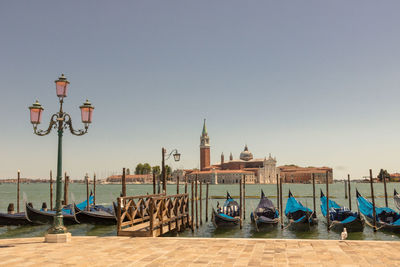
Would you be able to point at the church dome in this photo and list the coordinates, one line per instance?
(246, 154)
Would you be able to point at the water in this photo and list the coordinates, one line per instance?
(105, 194)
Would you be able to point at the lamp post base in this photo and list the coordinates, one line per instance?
(58, 226)
(57, 238)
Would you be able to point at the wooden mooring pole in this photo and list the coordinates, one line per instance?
(51, 190)
(207, 202)
(244, 197)
(201, 203)
(177, 184)
(123, 183)
(192, 206)
(158, 185)
(280, 200)
(196, 199)
(384, 187)
(345, 189)
(94, 189)
(241, 202)
(154, 183)
(87, 192)
(349, 188)
(277, 192)
(66, 181)
(373, 198)
(18, 181)
(327, 200)
(313, 192)
(185, 184)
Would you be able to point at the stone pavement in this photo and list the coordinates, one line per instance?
(168, 251)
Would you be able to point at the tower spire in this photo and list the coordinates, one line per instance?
(204, 133)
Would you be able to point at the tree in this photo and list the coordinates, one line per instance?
(128, 171)
(168, 170)
(143, 168)
(156, 170)
(139, 168)
(146, 168)
(383, 173)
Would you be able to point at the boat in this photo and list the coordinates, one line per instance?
(386, 218)
(396, 199)
(265, 213)
(96, 215)
(14, 219)
(228, 214)
(299, 216)
(341, 217)
(46, 217)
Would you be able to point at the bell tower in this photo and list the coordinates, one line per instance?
(204, 148)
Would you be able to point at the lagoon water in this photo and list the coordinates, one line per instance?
(105, 194)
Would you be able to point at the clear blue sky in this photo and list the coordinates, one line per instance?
(312, 82)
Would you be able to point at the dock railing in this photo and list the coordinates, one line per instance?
(152, 215)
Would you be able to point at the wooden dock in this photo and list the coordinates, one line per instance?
(152, 215)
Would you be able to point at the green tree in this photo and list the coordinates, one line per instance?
(139, 168)
(168, 170)
(156, 170)
(383, 173)
(143, 168)
(146, 168)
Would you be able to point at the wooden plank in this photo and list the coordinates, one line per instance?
(137, 227)
(143, 196)
(134, 234)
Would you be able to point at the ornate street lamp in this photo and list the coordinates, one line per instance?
(60, 121)
(177, 157)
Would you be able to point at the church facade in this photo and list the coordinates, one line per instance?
(253, 170)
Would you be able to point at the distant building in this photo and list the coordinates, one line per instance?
(136, 178)
(296, 174)
(261, 170)
(395, 177)
(222, 176)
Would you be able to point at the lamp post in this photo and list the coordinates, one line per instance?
(60, 121)
(177, 157)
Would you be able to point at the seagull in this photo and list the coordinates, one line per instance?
(343, 235)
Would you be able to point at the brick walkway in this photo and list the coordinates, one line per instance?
(123, 251)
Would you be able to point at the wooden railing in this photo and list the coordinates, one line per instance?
(152, 215)
(171, 211)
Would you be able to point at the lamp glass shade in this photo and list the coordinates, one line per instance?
(87, 112)
(62, 86)
(177, 156)
(36, 111)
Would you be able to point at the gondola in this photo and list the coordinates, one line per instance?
(265, 214)
(96, 215)
(386, 218)
(341, 217)
(396, 199)
(14, 219)
(46, 217)
(227, 215)
(300, 217)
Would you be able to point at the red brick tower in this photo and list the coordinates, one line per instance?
(204, 149)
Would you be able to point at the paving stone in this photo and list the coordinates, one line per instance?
(171, 251)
